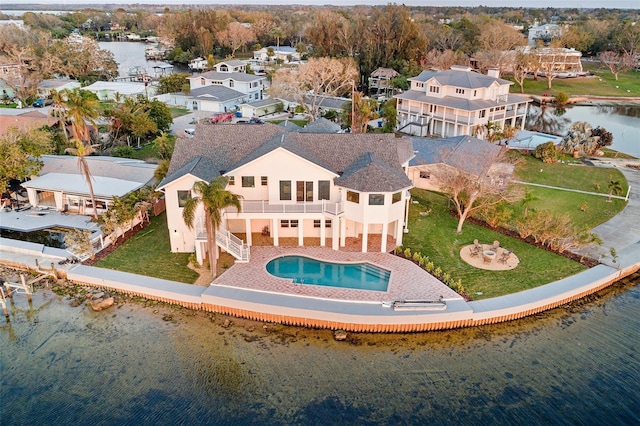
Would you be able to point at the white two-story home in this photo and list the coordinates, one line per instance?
(457, 102)
(232, 74)
(310, 188)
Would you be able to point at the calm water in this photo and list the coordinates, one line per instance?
(131, 54)
(65, 365)
(622, 121)
(304, 270)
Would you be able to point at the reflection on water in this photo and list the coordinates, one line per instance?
(125, 365)
(623, 121)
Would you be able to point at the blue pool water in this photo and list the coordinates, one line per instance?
(304, 270)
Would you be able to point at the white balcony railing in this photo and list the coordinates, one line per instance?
(261, 206)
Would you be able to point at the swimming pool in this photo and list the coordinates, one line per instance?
(304, 270)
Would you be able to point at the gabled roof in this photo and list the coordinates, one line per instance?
(289, 126)
(112, 167)
(385, 73)
(460, 77)
(237, 76)
(463, 152)
(321, 125)
(199, 167)
(216, 92)
(232, 63)
(229, 146)
(460, 103)
(370, 174)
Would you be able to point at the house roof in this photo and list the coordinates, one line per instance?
(232, 63)
(24, 120)
(463, 152)
(321, 125)
(215, 92)
(459, 77)
(229, 147)
(237, 76)
(289, 126)
(103, 187)
(385, 73)
(122, 87)
(263, 103)
(112, 167)
(459, 103)
(55, 83)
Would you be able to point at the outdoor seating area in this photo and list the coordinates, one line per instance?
(489, 256)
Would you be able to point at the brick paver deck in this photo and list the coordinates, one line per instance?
(407, 280)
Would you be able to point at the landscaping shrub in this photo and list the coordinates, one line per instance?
(547, 152)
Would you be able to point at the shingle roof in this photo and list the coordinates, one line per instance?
(459, 78)
(321, 125)
(289, 126)
(111, 167)
(229, 146)
(216, 92)
(459, 103)
(467, 153)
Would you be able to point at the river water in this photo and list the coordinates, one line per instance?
(130, 55)
(70, 365)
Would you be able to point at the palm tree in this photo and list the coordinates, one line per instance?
(83, 150)
(615, 188)
(81, 106)
(214, 198)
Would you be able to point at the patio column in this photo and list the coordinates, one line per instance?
(323, 233)
(335, 233)
(247, 227)
(365, 236)
(32, 194)
(343, 232)
(301, 233)
(57, 196)
(399, 233)
(274, 231)
(383, 243)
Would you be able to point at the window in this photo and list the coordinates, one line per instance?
(232, 180)
(285, 190)
(354, 197)
(460, 91)
(202, 81)
(248, 182)
(425, 175)
(434, 89)
(264, 180)
(396, 197)
(376, 199)
(289, 223)
(419, 85)
(230, 83)
(483, 113)
(317, 223)
(183, 197)
(433, 109)
(475, 93)
(304, 191)
(323, 190)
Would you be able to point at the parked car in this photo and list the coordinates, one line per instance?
(42, 102)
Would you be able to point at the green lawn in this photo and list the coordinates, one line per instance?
(603, 83)
(435, 236)
(178, 112)
(148, 253)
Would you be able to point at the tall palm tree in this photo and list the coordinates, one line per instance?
(81, 106)
(83, 150)
(214, 198)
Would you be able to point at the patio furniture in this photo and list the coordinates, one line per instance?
(495, 246)
(505, 256)
(486, 259)
(477, 245)
(474, 252)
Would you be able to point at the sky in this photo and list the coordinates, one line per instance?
(621, 4)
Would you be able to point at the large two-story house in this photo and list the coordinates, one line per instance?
(457, 102)
(232, 74)
(311, 188)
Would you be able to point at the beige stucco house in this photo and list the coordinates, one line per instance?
(456, 101)
(296, 185)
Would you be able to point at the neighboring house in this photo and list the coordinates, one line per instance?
(47, 86)
(232, 74)
(260, 108)
(381, 81)
(314, 188)
(17, 22)
(321, 125)
(561, 61)
(457, 101)
(545, 33)
(434, 155)
(325, 104)
(284, 53)
(207, 98)
(61, 186)
(24, 119)
(111, 90)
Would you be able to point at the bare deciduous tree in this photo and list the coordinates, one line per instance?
(236, 36)
(314, 81)
(615, 62)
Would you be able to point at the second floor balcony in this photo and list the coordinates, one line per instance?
(264, 206)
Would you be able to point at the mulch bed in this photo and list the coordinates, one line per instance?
(586, 261)
(106, 251)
